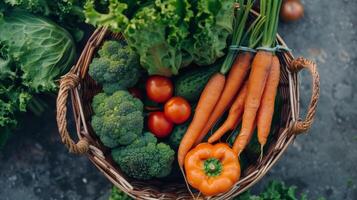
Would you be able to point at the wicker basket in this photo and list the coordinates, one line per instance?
(82, 88)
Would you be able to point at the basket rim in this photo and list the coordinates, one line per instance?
(98, 158)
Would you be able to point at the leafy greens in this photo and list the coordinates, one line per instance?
(68, 13)
(157, 32)
(33, 53)
(169, 34)
(40, 48)
(210, 28)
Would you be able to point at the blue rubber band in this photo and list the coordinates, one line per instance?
(241, 48)
(278, 48)
(247, 49)
(281, 48)
(269, 49)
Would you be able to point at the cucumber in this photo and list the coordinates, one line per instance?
(177, 134)
(190, 84)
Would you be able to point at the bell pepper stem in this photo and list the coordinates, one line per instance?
(212, 167)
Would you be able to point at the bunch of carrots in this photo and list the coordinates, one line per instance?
(245, 87)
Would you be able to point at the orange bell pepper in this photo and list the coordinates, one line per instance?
(212, 169)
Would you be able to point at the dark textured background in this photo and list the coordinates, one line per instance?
(36, 166)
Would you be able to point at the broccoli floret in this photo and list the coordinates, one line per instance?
(145, 158)
(118, 118)
(144, 140)
(116, 68)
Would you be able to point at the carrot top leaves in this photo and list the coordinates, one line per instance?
(240, 21)
(241, 16)
(254, 33)
(270, 9)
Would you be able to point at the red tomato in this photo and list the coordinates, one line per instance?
(159, 88)
(177, 109)
(136, 93)
(159, 125)
(291, 10)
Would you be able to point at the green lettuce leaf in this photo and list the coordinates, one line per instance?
(157, 31)
(212, 25)
(113, 19)
(169, 34)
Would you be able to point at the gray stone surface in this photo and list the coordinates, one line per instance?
(323, 163)
(35, 165)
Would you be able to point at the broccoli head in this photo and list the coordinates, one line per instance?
(118, 118)
(145, 158)
(116, 68)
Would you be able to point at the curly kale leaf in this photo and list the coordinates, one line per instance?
(7, 68)
(274, 191)
(12, 101)
(48, 7)
(13, 96)
(118, 118)
(35, 6)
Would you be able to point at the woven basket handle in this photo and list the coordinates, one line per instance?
(67, 83)
(296, 65)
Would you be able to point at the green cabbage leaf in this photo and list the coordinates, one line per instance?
(40, 48)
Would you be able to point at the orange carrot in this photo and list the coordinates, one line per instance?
(253, 129)
(256, 83)
(266, 109)
(250, 135)
(261, 66)
(235, 113)
(205, 106)
(234, 82)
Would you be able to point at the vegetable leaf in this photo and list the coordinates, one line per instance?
(157, 31)
(117, 194)
(40, 48)
(212, 25)
(114, 18)
(274, 191)
(68, 13)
